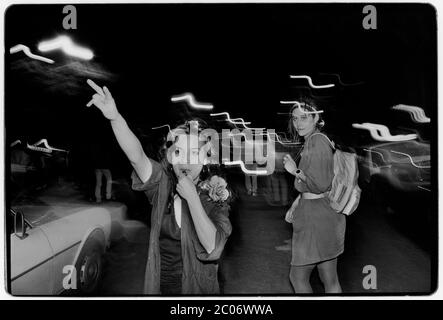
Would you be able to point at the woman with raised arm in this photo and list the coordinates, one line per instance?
(189, 219)
(318, 231)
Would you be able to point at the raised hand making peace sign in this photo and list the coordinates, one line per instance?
(103, 100)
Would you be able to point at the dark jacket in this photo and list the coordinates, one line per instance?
(199, 267)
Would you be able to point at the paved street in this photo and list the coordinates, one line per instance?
(252, 266)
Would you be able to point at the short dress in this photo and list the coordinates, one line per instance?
(318, 231)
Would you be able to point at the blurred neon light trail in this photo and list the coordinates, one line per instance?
(243, 168)
(417, 113)
(190, 99)
(67, 46)
(381, 133)
(27, 51)
(325, 86)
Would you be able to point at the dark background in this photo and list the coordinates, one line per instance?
(236, 56)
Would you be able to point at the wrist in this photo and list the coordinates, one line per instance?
(300, 175)
(193, 198)
(116, 118)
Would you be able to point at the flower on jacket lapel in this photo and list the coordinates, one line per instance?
(216, 188)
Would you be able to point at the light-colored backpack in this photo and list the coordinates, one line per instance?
(344, 195)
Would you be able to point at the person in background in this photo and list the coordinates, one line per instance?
(100, 157)
(251, 181)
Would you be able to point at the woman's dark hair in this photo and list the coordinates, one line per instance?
(307, 104)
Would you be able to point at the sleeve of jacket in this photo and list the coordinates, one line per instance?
(319, 171)
(219, 215)
(150, 187)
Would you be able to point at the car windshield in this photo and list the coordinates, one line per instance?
(40, 185)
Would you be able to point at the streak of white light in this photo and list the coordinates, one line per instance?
(243, 168)
(190, 99)
(382, 135)
(384, 132)
(310, 82)
(239, 121)
(233, 122)
(423, 188)
(15, 143)
(278, 138)
(410, 159)
(379, 153)
(163, 126)
(280, 141)
(46, 145)
(67, 46)
(27, 51)
(46, 150)
(300, 108)
(417, 113)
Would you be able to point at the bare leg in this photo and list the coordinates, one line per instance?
(254, 185)
(299, 276)
(327, 271)
(98, 185)
(248, 184)
(108, 176)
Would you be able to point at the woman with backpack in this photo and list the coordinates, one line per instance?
(318, 230)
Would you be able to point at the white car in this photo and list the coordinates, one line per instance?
(57, 242)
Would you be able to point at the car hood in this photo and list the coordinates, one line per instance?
(56, 203)
(38, 215)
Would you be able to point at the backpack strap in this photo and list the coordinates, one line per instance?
(330, 142)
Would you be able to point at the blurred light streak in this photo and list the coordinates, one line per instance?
(243, 168)
(423, 188)
(300, 108)
(47, 148)
(27, 51)
(417, 113)
(280, 141)
(163, 126)
(384, 132)
(310, 82)
(381, 132)
(67, 46)
(234, 122)
(190, 99)
(278, 138)
(239, 121)
(39, 149)
(410, 159)
(229, 118)
(376, 152)
(16, 142)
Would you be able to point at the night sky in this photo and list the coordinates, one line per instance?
(236, 56)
